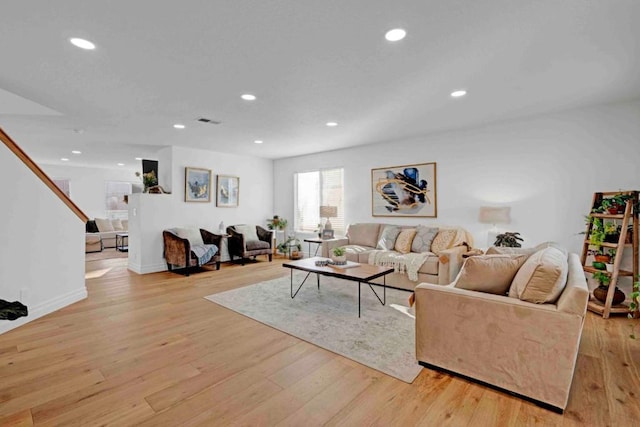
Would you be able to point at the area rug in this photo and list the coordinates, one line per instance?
(105, 254)
(383, 338)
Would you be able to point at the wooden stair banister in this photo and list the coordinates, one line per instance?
(14, 148)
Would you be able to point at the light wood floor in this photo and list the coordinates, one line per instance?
(149, 350)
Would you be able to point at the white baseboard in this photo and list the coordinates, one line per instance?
(146, 269)
(44, 308)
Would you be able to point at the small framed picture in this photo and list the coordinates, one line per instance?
(228, 191)
(327, 234)
(197, 185)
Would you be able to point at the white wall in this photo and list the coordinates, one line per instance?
(149, 214)
(42, 249)
(87, 185)
(546, 168)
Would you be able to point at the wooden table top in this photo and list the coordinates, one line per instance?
(364, 272)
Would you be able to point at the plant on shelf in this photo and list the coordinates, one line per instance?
(509, 240)
(600, 293)
(289, 244)
(633, 306)
(277, 223)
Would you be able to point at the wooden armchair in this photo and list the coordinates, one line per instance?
(244, 246)
(178, 251)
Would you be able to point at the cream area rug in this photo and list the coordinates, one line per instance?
(383, 338)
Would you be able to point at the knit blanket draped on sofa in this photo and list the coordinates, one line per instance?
(402, 263)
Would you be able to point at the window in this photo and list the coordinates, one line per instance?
(315, 189)
(114, 192)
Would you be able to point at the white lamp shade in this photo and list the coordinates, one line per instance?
(495, 215)
(328, 211)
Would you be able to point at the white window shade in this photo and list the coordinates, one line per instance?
(314, 189)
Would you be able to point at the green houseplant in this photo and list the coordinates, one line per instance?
(509, 240)
(633, 306)
(277, 223)
(600, 293)
(339, 254)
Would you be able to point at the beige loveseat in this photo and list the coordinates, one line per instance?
(526, 348)
(440, 265)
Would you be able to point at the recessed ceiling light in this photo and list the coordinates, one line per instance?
(120, 164)
(395, 35)
(179, 126)
(332, 124)
(64, 159)
(76, 152)
(248, 97)
(257, 141)
(458, 93)
(82, 43)
(138, 158)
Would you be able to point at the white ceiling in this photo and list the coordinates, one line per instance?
(163, 62)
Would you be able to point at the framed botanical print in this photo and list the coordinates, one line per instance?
(228, 191)
(197, 185)
(404, 191)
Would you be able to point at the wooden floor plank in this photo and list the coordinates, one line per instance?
(150, 350)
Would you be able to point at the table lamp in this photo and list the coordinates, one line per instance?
(328, 212)
(495, 216)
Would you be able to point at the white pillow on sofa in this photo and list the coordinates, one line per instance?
(117, 225)
(388, 238)
(104, 225)
(249, 232)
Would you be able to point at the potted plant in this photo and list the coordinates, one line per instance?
(339, 254)
(612, 257)
(509, 240)
(633, 306)
(611, 232)
(600, 293)
(277, 223)
(290, 246)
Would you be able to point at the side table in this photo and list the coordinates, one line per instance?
(316, 241)
(122, 242)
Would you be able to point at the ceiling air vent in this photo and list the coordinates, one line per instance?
(205, 120)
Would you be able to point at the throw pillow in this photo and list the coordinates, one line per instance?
(387, 239)
(91, 227)
(489, 273)
(552, 245)
(443, 240)
(191, 234)
(404, 240)
(542, 277)
(125, 224)
(249, 232)
(117, 225)
(104, 225)
(423, 239)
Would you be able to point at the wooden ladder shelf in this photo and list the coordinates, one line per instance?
(598, 218)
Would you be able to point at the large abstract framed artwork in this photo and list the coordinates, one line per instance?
(404, 191)
(228, 191)
(197, 185)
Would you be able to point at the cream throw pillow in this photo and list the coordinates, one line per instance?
(542, 277)
(104, 225)
(249, 232)
(404, 240)
(443, 240)
(489, 273)
(117, 225)
(191, 234)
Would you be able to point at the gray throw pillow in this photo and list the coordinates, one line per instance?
(424, 237)
(388, 237)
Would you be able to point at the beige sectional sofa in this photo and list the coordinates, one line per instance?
(525, 342)
(440, 266)
(101, 233)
